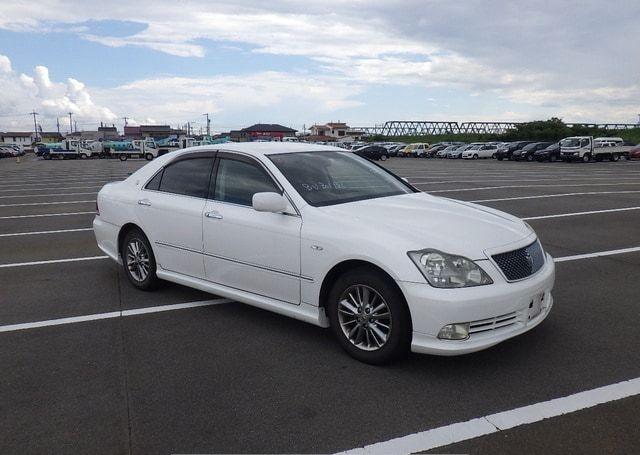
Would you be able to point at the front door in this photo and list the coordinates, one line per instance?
(253, 251)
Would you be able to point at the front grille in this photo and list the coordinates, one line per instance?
(519, 264)
(493, 323)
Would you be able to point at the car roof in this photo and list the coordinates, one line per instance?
(264, 148)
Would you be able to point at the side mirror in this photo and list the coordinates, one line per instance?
(269, 202)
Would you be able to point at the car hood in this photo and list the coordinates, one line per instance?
(419, 220)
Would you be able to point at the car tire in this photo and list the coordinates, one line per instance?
(614, 157)
(46, 157)
(586, 158)
(529, 158)
(149, 156)
(499, 158)
(138, 261)
(552, 158)
(475, 156)
(123, 157)
(383, 158)
(83, 156)
(362, 340)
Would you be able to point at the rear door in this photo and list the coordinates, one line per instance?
(170, 211)
(253, 251)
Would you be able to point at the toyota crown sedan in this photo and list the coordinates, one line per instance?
(328, 237)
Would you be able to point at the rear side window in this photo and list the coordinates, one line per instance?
(189, 177)
(237, 182)
(154, 183)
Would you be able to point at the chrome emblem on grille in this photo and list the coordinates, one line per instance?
(528, 257)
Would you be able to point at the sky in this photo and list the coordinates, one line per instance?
(299, 63)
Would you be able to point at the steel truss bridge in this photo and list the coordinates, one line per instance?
(426, 128)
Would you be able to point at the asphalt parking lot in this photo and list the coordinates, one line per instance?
(234, 379)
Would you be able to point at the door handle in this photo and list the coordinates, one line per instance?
(145, 202)
(215, 215)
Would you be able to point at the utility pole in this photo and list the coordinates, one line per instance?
(70, 123)
(58, 124)
(125, 120)
(75, 125)
(208, 124)
(35, 124)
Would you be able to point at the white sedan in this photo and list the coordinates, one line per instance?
(480, 151)
(327, 237)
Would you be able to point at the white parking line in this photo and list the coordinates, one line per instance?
(45, 195)
(543, 196)
(592, 212)
(45, 214)
(528, 186)
(463, 431)
(17, 234)
(46, 203)
(550, 179)
(597, 254)
(53, 188)
(52, 261)
(88, 182)
(110, 315)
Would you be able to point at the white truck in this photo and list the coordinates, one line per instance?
(67, 149)
(586, 148)
(137, 148)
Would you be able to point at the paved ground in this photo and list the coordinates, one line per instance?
(231, 378)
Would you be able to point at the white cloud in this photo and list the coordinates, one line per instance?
(544, 64)
(269, 95)
(51, 99)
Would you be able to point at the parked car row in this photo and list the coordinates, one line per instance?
(10, 151)
(582, 148)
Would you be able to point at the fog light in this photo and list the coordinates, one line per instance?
(454, 332)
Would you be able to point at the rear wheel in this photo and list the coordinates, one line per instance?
(83, 156)
(383, 158)
(529, 158)
(614, 157)
(138, 261)
(369, 317)
(123, 157)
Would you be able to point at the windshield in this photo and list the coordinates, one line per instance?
(328, 178)
(570, 142)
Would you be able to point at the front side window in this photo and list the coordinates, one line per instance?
(237, 181)
(328, 178)
(189, 177)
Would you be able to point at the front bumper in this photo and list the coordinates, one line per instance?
(433, 308)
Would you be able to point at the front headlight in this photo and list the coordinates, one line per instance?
(444, 270)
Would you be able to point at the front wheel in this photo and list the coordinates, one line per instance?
(383, 158)
(529, 158)
(614, 157)
(369, 317)
(123, 157)
(586, 158)
(475, 157)
(149, 156)
(138, 261)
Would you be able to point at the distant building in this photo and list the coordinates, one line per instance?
(17, 138)
(329, 131)
(154, 131)
(109, 132)
(50, 136)
(262, 131)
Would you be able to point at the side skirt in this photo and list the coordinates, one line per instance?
(303, 312)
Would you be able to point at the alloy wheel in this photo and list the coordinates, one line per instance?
(138, 260)
(364, 317)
